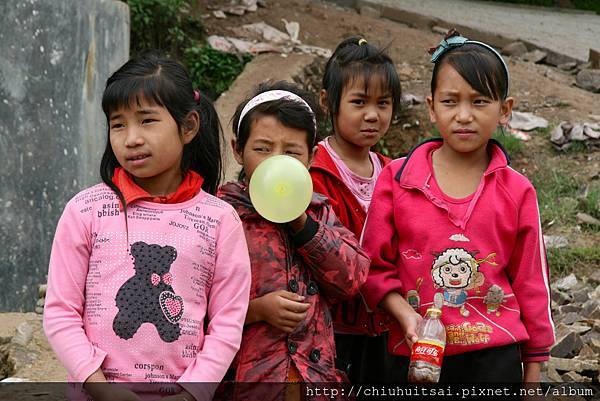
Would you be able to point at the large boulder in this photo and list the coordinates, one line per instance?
(56, 57)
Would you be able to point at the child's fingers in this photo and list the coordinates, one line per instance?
(293, 317)
(289, 325)
(290, 295)
(293, 306)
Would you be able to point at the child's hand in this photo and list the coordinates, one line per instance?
(409, 323)
(531, 372)
(282, 309)
(409, 320)
(298, 224)
(98, 388)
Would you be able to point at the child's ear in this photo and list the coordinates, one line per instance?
(323, 101)
(191, 126)
(237, 156)
(430, 108)
(506, 111)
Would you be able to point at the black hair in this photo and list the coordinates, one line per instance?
(290, 113)
(356, 59)
(167, 84)
(479, 66)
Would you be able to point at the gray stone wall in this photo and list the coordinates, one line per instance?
(55, 57)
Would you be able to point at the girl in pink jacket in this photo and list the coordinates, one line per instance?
(149, 274)
(452, 225)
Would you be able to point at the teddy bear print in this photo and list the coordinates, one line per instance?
(148, 295)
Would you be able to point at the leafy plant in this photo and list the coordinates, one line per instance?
(164, 25)
(213, 71)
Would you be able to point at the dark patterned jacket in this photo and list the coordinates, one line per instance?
(329, 266)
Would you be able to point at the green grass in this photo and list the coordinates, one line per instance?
(576, 147)
(512, 144)
(590, 204)
(563, 261)
(556, 196)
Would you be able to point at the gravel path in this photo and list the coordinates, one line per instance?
(571, 33)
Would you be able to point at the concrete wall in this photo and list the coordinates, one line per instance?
(55, 57)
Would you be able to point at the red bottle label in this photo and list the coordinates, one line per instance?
(428, 351)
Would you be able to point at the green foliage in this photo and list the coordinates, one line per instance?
(164, 25)
(213, 71)
(563, 261)
(512, 144)
(325, 127)
(169, 27)
(382, 148)
(556, 196)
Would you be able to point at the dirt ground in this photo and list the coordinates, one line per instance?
(543, 90)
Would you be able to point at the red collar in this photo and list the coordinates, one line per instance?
(189, 187)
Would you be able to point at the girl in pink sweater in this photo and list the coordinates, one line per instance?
(452, 225)
(149, 274)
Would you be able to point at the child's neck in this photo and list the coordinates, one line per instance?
(160, 187)
(356, 158)
(458, 174)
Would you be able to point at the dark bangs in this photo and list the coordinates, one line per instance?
(355, 60)
(152, 87)
(477, 65)
(372, 76)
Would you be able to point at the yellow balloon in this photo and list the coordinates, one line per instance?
(280, 189)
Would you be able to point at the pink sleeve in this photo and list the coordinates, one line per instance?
(528, 271)
(65, 297)
(227, 307)
(380, 240)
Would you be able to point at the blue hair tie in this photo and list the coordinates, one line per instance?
(453, 39)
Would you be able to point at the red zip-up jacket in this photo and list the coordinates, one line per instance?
(351, 316)
(488, 268)
(327, 267)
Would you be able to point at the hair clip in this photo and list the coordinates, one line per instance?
(451, 40)
(196, 95)
(362, 41)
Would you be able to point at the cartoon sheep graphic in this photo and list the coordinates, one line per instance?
(456, 271)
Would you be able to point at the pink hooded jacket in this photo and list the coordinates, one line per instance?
(488, 268)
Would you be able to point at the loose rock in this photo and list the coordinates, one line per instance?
(588, 80)
(536, 56)
(514, 49)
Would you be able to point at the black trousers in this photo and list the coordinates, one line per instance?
(366, 359)
(491, 365)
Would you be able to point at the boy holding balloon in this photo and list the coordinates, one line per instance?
(302, 257)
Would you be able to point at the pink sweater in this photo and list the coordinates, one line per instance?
(164, 301)
(488, 268)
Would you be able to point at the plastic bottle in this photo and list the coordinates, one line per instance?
(428, 351)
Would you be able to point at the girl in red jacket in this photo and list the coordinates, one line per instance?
(361, 93)
(298, 268)
(452, 225)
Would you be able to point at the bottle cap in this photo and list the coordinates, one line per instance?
(435, 312)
